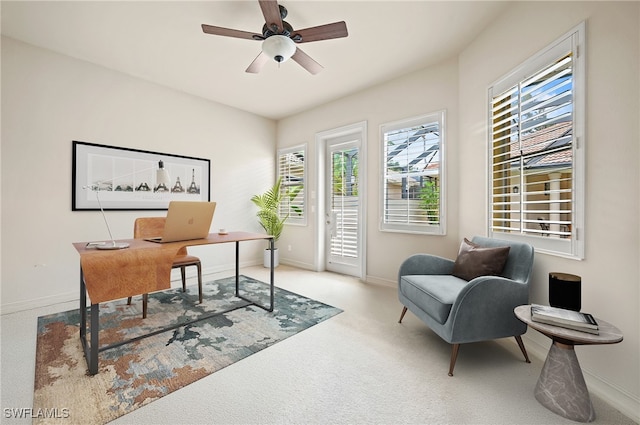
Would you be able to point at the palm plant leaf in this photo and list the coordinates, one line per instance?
(268, 212)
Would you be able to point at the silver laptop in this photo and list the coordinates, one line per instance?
(186, 220)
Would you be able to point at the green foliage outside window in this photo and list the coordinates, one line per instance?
(430, 200)
(345, 173)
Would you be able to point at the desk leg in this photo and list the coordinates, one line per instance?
(271, 273)
(95, 330)
(83, 309)
(90, 349)
(561, 387)
(237, 267)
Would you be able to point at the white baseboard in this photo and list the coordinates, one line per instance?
(39, 302)
(381, 281)
(221, 268)
(617, 397)
(297, 264)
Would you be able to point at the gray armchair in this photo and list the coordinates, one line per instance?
(462, 311)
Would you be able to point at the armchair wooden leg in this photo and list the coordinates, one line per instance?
(404, 311)
(129, 301)
(454, 357)
(524, 350)
(183, 273)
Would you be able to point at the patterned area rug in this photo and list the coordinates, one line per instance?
(137, 373)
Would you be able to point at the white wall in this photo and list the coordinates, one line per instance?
(48, 100)
(610, 272)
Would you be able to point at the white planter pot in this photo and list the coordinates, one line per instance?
(267, 258)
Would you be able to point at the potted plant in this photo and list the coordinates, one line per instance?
(268, 213)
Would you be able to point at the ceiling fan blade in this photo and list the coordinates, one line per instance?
(258, 63)
(228, 32)
(271, 12)
(322, 32)
(306, 62)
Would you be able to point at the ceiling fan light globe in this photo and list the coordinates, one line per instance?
(279, 48)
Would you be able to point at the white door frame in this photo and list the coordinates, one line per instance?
(360, 130)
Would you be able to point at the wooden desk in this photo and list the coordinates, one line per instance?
(142, 268)
(561, 387)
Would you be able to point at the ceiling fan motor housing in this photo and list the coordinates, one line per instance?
(287, 29)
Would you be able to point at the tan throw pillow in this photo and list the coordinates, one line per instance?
(474, 260)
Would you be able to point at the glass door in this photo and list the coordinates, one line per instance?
(343, 206)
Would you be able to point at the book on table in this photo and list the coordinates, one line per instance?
(570, 319)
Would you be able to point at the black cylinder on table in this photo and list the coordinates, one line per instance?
(565, 291)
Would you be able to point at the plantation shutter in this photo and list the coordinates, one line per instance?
(532, 152)
(292, 170)
(344, 198)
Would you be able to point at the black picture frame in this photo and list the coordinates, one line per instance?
(123, 179)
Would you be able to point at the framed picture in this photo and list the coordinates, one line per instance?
(131, 179)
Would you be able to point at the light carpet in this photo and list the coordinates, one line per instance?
(137, 373)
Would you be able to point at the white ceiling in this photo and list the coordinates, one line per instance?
(162, 42)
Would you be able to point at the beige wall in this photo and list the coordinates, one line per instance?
(610, 271)
(48, 100)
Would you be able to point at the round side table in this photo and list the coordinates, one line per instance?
(561, 387)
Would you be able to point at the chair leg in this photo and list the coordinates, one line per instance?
(404, 311)
(145, 297)
(199, 266)
(183, 273)
(129, 301)
(454, 357)
(524, 350)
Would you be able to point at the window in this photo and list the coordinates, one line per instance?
(536, 150)
(413, 177)
(291, 167)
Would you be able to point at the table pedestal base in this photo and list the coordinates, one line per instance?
(561, 387)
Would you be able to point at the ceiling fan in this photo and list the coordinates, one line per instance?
(279, 39)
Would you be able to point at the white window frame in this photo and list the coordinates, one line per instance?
(300, 220)
(409, 227)
(573, 246)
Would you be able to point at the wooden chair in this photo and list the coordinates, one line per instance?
(148, 227)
